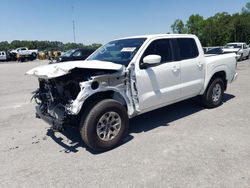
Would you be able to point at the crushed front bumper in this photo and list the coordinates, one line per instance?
(55, 123)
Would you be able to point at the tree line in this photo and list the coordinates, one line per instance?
(219, 29)
(44, 45)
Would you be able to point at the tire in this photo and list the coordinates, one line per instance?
(248, 56)
(241, 57)
(213, 95)
(33, 56)
(96, 127)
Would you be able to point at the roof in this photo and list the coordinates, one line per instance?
(236, 43)
(157, 35)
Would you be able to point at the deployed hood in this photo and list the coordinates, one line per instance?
(231, 49)
(60, 69)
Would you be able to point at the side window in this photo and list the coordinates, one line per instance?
(161, 47)
(188, 48)
(23, 49)
(77, 54)
(245, 46)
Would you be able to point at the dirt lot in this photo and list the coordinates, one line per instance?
(182, 145)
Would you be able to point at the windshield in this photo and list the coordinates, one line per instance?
(119, 51)
(68, 53)
(233, 46)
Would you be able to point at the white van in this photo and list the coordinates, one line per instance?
(3, 56)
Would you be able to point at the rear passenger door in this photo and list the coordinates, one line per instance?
(192, 67)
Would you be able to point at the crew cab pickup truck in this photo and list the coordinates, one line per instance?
(240, 48)
(24, 53)
(128, 77)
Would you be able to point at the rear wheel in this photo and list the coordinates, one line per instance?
(105, 125)
(214, 94)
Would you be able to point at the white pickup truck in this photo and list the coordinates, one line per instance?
(128, 77)
(239, 48)
(24, 53)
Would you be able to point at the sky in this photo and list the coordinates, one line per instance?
(99, 21)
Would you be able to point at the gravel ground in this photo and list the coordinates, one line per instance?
(182, 145)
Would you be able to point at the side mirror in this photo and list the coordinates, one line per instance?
(151, 60)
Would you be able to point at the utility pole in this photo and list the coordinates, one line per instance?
(73, 24)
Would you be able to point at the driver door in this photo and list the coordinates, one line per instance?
(159, 85)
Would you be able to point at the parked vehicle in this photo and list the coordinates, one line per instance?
(128, 77)
(3, 56)
(240, 48)
(24, 53)
(75, 55)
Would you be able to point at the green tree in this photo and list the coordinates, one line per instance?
(246, 9)
(218, 29)
(195, 24)
(178, 27)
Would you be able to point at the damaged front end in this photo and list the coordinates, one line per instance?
(60, 99)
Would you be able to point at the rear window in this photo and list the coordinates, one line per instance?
(188, 48)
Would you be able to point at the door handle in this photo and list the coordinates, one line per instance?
(175, 69)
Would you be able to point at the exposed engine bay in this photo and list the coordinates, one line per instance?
(61, 98)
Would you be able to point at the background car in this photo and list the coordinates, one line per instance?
(240, 48)
(75, 55)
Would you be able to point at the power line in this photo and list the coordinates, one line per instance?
(73, 25)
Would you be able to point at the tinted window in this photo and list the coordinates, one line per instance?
(77, 54)
(160, 47)
(188, 48)
(232, 45)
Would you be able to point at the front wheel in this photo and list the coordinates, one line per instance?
(105, 125)
(241, 57)
(214, 94)
(248, 56)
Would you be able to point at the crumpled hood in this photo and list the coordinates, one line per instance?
(60, 69)
(231, 49)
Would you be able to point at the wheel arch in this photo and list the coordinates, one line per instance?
(101, 95)
(219, 74)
